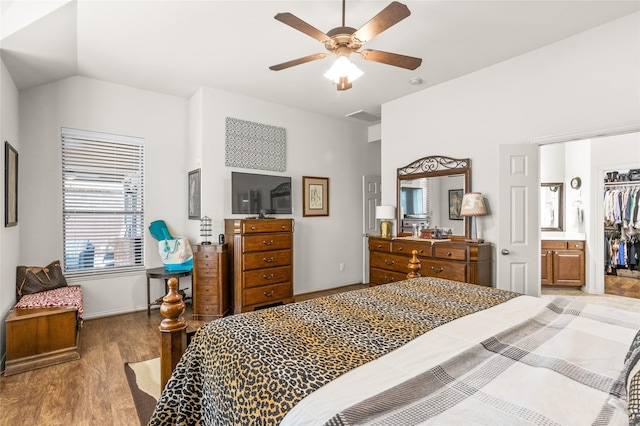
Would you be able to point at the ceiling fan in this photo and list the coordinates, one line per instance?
(342, 41)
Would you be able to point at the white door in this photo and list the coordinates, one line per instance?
(371, 199)
(518, 252)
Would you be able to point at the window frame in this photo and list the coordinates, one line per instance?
(102, 203)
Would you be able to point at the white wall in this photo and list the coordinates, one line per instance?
(9, 237)
(181, 135)
(588, 81)
(317, 145)
(87, 104)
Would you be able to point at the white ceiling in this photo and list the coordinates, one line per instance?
(175, 47)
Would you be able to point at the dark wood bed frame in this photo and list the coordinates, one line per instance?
(173, 328)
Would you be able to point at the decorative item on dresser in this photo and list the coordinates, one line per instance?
(472, 206)
(456, 260)
(562, 263)
(205, 229)
(210, 281)
(261, 262)
(385, 214)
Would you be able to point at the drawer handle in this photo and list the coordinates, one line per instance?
(400, 248)
(253, 228)
(389, 262)
(268, 277)
(437, 271)
(267, 243)
(283, 227)
(269, 260)
(268, 294)
(448, 253)
(379, 245)
(389, 279)
(421, 250)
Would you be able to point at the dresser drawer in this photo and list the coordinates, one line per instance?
(207, 299)
(207, 286)
(266, 225)
(267, 294)
(553, 245)
(266, 242)
(446, 270)
(381, 276)
(379, 245)
(266, 259)
(209, 310)
(204, 256)
(267, 276)
(407, 247)
(206, 272)
(452, 253)
(391, 262)
(575, 245)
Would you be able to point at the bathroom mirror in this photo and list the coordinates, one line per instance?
(429, 194)
(551, 217)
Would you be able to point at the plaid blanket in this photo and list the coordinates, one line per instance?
(565, 365)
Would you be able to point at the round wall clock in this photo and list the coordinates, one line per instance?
(576, 183)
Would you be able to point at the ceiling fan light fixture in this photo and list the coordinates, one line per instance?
(343, 67)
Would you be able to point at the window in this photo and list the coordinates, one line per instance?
(102, 202)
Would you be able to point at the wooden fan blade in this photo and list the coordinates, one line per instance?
(388, 17)
(298, 61)
(402, 61)
(297, 23)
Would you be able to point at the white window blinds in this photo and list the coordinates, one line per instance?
(102, 202)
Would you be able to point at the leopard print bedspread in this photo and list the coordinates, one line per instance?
(253, 368)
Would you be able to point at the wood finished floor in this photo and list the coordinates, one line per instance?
(94, 390)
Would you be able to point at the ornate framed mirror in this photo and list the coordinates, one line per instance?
(429, 193)
(551, 200)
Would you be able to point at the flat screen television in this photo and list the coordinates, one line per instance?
(257, 194)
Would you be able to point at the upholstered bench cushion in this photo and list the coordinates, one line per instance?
(63, 296)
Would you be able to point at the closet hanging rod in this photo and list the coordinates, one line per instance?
(627, 183)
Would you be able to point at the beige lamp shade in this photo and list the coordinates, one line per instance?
(384, 213)
(473, 205)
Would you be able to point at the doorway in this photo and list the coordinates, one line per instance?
(589, 160)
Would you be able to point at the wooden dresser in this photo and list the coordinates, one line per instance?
(210, 281)
(261, 262)
(453, 260)
(562, 263)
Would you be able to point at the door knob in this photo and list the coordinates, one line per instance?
(505, 252)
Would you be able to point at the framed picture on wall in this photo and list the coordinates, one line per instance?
(455, 203)
(194, 194)
(315, 196)
(10, 185)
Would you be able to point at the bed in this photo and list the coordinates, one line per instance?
(423, 350)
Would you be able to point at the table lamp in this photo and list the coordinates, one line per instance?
(385, 213)
(472, 206)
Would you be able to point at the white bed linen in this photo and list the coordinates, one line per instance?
(428, 351)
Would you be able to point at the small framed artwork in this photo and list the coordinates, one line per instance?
(194, 194)
(315, 196)
(455, 203)
(10, 185)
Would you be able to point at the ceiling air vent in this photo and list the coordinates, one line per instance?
(365, 116)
